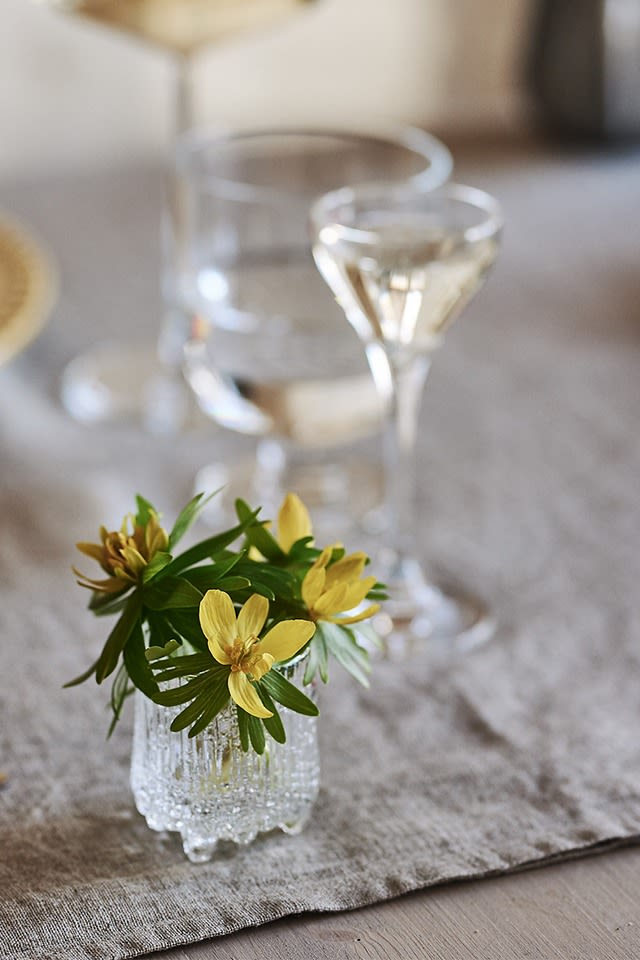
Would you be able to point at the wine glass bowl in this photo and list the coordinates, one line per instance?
(403, 263)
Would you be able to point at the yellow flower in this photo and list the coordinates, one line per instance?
(331, 590)
(294, 522)
(236, 642)
(124, 553)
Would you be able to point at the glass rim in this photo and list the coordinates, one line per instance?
(472, 196)
(200, 140)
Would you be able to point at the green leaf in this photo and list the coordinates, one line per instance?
(146, 510)
(303, 551)
(83, 676)
(342, 645)
(185, 666)
(120, 690)
(184, 693)
(209, 576)
(288, 695)
(160, 630)
(366, 632)
(103, 604)
(266, 579)
(256, 734)
(207, 548)
(186, 624)
(234, 584)
(117, 639)
(273, 724)
(187, 517)
(318, 661)
(171, 593)
(112, 609)
(157, 563)
(137, 665)
(210, 701)
(155, 653)
(243, 727)
(258, 535)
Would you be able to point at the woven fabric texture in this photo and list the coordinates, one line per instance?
(525, 750)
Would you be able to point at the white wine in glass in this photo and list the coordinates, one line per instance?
(97, 386)
(183, 26)
(403, 264)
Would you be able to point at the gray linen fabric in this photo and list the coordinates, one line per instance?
(530, 472)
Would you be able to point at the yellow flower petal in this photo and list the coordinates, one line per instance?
(111, 585)
(293, 522)
(313, 585)
(252, 616)
(245, 696)
(286, 638)
(218, 622)
(93, 550)
(332, 601)
(218, 652)
(347, 569)
(357, 591)
(135, 560)
(356, 617)
(261, 665)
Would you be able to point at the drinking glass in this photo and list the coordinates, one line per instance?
(133, 380)
(403, 263)
(266, 349)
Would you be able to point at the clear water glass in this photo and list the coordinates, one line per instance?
(267, 352)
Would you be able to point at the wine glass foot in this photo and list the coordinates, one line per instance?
(442, 618)
(120, 383)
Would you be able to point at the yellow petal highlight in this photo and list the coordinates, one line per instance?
(347, 569)
(218, 622)
(357, 592)
(252, 616)
(261, 665)
(294, 522)
(245, 696)
(313, 585)
(333, 601)
(93, 550)
(286, 638)
(356, 617)
(218, 652)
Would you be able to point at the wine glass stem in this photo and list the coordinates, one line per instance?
(173, 331)
(408, 377)
(184, 112)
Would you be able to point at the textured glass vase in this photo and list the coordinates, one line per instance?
(208, 789)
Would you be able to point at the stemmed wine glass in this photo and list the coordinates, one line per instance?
(403, 263)
(128, 380)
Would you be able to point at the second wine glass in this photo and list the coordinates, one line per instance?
(402, 264)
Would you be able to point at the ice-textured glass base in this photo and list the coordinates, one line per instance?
(208, 789)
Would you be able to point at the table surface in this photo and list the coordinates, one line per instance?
(583, 908)
(587, 909)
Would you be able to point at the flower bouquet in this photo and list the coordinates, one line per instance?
(223, 645)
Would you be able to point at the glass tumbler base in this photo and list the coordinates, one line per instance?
(125, 382)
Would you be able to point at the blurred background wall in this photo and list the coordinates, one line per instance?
(74, 95)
